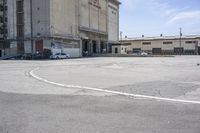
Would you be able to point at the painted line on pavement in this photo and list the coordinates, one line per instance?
(110, 91)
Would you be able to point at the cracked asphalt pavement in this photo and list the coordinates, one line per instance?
(28, 105)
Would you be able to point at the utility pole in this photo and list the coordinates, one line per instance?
(121, 34)
(31, 18)
(181, 41)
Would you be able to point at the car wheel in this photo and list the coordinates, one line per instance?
(57, 58)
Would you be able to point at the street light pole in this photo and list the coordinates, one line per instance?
(121, 35)
(181, 41)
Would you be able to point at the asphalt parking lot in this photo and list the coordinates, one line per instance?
(95, 95)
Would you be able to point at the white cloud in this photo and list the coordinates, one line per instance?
(154, 6)
(166, 15)
(160, 8)
(169, 12)
(174, 15)
(185, 16)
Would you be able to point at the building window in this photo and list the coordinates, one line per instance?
(113, 12)
(190, 42)
(6, 8)
(195, 42)
(20, 31)
(146, 43)
(167, 42)
(1, 7)
(6, 20)
(20, 19)
(20, 25)
(20, 6)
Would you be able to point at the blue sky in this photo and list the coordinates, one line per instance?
(155, 17)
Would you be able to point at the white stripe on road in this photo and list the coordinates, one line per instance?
(110, 91)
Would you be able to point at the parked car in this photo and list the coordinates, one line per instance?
(140, 53)
(143, 53)
(14, 57)
(60, 56)
(46, 53)
(38, 56)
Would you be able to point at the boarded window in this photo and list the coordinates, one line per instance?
(167, 42)
(146, 43)
(190, 42)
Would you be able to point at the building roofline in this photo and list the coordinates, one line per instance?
(120, 44)
(115, 2)
(161, 38)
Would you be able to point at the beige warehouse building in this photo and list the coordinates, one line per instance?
(74, 26)
(166, 45)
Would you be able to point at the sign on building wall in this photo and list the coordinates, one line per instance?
(95, 3)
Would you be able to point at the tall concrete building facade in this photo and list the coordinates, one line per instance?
(77, 27)
(3, 27)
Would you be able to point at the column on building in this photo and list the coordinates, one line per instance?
(98, 46)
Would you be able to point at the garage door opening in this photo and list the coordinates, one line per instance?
(86, 47)
(178, 51)
(156, 51)
(94, 47)
(116, 50)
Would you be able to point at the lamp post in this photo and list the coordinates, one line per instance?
(181, 41)
(121, 35)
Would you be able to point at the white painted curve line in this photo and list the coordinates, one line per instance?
(112, 92)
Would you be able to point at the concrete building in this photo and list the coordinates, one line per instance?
(119, 48)
(98, 25)
(76, 27)
(166, 45)
(3, 26)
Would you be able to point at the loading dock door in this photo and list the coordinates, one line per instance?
(20, 47)
(116, 50)
(85, 48)
(94, 47)
(156, 50)
(178, 50)
(39, 46)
